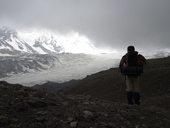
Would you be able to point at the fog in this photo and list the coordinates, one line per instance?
(112, 24)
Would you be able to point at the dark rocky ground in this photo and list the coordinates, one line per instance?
(23, 107)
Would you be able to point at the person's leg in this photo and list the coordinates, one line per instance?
(130, 97)
(136, 93)
(129, 90)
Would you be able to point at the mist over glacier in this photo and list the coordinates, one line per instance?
(66, 67)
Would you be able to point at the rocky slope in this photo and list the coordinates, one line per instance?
(110, 85)
(23, 107)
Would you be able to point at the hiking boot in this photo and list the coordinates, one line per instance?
(130, 98)
(136, 97)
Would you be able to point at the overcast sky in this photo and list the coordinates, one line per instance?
(109, 23)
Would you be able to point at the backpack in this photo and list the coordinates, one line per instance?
(133, 64)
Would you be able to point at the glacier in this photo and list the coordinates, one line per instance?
(66, 67)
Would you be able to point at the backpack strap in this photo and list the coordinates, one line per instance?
(123, 61)
(141, 60)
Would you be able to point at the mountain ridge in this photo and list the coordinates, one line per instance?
(12, 44)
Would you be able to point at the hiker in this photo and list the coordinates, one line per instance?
(131, 65)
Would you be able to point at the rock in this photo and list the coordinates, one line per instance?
(22, 93)
(65, 103)
(142, 118)
(21, 106)
(86, 103)
(14, 126)
(37, 103)
(41, 113)
(70, 119)
(103, 114)
(3, 121)
(40, 118)
(87, 114)
(137, 126)
(74, 124)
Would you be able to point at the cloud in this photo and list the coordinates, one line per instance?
(109, 23)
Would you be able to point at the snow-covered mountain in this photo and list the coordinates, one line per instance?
(11, 43)
(14, 42)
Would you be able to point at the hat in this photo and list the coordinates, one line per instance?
(131, 49)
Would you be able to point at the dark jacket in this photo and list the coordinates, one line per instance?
(124, 63)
